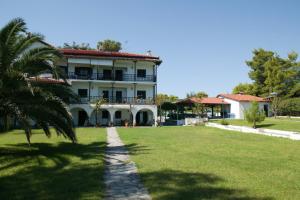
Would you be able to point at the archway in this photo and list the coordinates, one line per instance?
(144, 117)
(123, 117)
(102, 118)
(80, 117)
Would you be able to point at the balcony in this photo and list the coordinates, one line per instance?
(110, 77)
(117, 100)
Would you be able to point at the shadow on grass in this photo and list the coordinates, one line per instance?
(47, 171)
(169, 184)
(264, 125)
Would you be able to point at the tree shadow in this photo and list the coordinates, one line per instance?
(264, 125)
(170, 184)
(52, 171)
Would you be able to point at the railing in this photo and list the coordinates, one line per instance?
(117, 100)
(110, 77)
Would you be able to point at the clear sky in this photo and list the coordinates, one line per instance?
(203, 44)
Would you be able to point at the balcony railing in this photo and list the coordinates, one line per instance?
(117, 100)
(110, 77)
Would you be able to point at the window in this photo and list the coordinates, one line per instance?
(83, 71)
(105, 94)
(141, 73)
(83, 92)
(118, 115)
(141, 94)
(105, 114)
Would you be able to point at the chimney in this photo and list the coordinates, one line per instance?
(241, 93)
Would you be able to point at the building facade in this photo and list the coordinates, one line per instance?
(126, 83)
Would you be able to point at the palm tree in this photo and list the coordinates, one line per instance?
(25, 98)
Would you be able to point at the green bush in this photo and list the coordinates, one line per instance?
(224, 122)
(290, 107)
(254, 115)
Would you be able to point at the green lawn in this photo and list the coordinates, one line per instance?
(270, 123)
(52, 168)
(208, 163)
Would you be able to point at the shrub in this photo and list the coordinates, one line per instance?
(290, 107)
(254, 114)
(224, 122)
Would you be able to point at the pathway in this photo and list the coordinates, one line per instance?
(121, 177)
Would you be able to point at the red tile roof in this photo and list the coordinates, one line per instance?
(206, 100)
(97, 53)
(243, 97)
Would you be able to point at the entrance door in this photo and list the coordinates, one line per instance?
(81, 117)
(106, 74)
(145, 117)
(119, 96)
(266, 110)
(119, 75)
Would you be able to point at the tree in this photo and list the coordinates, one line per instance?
(109, 45)
(99, 103)
(199, 109)
(246, 88)
(275, 105)
(74, 45)
(257, 69)
(254, 115)
(200, 94)
(159, 100)
(271, 73)
(25, 98)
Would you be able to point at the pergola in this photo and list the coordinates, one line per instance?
(210, 102)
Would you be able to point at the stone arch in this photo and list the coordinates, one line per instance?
(103, 117)
(80, 116)
(145, 117)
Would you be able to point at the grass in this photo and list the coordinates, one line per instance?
(284, 124)
(207, 163)
(52, 168)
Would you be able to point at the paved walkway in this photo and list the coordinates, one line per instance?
(121, 178)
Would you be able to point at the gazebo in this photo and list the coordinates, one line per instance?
(211, 103)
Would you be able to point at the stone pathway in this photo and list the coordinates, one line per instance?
(121, 177)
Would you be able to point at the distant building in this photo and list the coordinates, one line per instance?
(228, 105)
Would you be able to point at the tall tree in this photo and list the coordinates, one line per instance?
(20, 96)
(246, 88)
(109, 45)
(257, 69)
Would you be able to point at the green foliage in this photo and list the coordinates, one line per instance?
(23, 98)
(224, 122)
(199, 94)
(276, 105)
(109, 45)
(271, 73)
(254, 114)
(199, 109)
(74, 45)
(245, 88)
(290, 107)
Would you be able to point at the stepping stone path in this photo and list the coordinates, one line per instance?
(121, 177)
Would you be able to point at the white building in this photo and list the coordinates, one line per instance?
(127, 82)
(238, 103)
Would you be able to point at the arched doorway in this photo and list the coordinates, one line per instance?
(144, 117)
(123, 117)
(80, 117)
(100, 117)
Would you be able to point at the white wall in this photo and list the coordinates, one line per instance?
(238, 107)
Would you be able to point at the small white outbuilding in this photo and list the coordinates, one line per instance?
(241, 102)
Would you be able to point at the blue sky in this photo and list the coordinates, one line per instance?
(203, 44)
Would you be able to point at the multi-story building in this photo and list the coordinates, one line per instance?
(126, 82)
